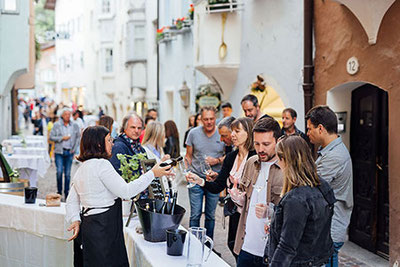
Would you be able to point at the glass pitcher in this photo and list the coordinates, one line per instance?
(196, 244)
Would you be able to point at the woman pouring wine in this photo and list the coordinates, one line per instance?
(98, 189)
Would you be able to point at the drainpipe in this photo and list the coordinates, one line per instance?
(158, 52)
(308, 69)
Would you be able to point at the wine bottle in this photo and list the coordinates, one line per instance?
(154, 206)
(174, 203)
(164, 206)
(171, 162)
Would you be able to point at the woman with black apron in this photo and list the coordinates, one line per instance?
(94, 202)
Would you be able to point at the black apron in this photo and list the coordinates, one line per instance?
(101, 239)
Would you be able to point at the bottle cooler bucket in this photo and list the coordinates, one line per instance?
(155, 224)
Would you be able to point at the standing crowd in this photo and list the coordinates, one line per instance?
(288, 194)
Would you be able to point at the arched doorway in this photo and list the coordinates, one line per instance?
(369, 227)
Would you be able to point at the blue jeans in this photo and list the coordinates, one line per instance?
(334, 260)
(246, 259)
(63, 164)
(196, 194)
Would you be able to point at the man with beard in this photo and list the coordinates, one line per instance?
(262, 173)
(251, 108)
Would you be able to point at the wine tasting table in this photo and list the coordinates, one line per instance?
(144, 253)
(31, 235)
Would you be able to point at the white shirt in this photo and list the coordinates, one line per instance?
(254, 242)
(97, 184)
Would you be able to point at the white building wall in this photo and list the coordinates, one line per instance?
(272, 45)
(176, 66)
(14, 58)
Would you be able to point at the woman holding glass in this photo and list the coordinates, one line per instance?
(232, 169)
(300, 229)
(98, 189)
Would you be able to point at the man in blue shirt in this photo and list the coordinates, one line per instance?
(334, 166)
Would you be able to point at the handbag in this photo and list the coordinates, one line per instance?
(230, 207)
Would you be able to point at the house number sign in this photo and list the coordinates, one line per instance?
(352, 65)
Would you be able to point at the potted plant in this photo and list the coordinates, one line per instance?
(160, 34)
(130, 171)
(191, 12)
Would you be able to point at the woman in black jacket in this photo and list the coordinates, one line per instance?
(232, 169)
(300, 230)
(172, 144)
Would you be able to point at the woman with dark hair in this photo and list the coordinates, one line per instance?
(232, 169)
(172, 144)
(300, 229)
(191, 124)
(107, 122)
(98, 189)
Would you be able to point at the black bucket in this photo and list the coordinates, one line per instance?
(155, 224)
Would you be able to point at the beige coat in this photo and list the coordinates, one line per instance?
(249, 178)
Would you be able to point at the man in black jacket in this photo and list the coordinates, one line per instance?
(127, 142)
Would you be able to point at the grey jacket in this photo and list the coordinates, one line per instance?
(56, 135)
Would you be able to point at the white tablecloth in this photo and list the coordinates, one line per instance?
(29, 143)
(29, 166)
(142, 253)
(40, 151)
(31, 235)
(32, 137)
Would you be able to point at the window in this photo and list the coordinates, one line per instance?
(108, 60)
(136, 40)
(106, 7)
(10, 7)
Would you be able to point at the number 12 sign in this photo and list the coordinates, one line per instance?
(352, 65)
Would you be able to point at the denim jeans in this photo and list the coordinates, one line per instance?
(196, 194)
(246, 259)
(334, 260)
(63, 164)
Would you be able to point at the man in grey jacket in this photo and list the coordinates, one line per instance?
(334, 166)
(66, 135)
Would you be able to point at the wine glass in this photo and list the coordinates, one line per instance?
(268, 219)
(184, 168)
(258, 189)
(206, 168)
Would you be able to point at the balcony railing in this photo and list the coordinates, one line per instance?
(221, 6)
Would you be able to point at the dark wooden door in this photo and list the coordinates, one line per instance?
(369, 152)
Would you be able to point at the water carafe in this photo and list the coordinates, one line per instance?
(196, 245)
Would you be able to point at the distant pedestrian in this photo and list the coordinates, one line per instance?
(172, 139)
(107, 122)
(226, 109)
(289, 117)
(191, 124)
(66, 136)
(152, 113)
(334, 166)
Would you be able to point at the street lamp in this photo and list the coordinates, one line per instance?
(184, 92)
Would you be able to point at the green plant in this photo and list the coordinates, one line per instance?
(130, 166)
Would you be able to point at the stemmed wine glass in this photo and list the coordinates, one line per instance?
(206, 168)
(184, 168)
(268, 219)
(258, 189)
